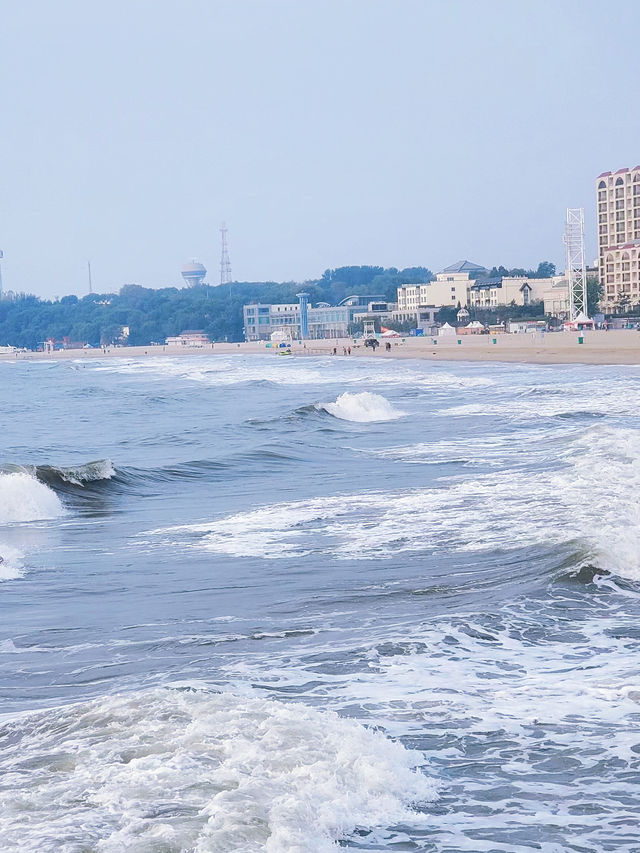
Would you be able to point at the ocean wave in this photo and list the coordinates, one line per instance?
(77, 475)
(589, 499)
(229, 370)
(582, 400)
(24, 498)
(184, 769)
(361, 407)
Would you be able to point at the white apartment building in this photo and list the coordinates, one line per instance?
(450, 288)
(511, 290)
(618, 199)
(460, 284)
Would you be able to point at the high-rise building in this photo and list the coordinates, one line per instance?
(618, 198)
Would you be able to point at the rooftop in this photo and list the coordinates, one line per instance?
(464, 266)
(487, 283)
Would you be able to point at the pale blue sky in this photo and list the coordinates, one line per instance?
(393, 132)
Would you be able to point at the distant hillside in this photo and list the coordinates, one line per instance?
(153, 315)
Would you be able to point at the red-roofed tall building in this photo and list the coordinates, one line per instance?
(618, 199)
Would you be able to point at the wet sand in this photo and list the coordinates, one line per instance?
(598, 347)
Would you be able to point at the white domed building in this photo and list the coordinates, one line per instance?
(193, 273)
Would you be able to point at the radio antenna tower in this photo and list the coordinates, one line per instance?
(225, 263)
(576, 269)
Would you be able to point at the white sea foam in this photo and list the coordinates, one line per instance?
(177, 770)
(363, 407)
(11, 562)
(598, 397)
(590, 497)
(23, 498)
(218, 370)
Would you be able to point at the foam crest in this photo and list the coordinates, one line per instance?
(23, 498)
(78, 475)
(362, 407)
(189, 770)
(590, 498)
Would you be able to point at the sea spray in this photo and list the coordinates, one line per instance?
(362, 407)
(11, 565)
(23, 498)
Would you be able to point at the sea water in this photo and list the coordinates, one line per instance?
(295, 605)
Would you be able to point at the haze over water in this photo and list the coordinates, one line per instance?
(261, 604)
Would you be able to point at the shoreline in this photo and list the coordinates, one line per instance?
(599, 347)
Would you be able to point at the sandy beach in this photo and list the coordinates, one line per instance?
(598, 347)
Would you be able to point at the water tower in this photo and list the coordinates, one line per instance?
(193, 273)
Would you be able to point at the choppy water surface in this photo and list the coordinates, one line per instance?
(259, 604)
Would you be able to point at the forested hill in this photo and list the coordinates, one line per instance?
(153, 315)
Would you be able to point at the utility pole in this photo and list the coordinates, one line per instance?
(576, 268)
(225, 263)
(89, 272)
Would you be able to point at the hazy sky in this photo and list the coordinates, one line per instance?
(325, 132)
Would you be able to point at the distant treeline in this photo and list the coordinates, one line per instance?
(153, 315)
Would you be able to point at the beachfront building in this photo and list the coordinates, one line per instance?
(467, 284)
(508, 290)
(189, 338)
(556, 297)
(389, 314)
(450, 288)
(325, 321)
(618, 200)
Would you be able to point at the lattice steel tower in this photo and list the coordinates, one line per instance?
(225, 263)
(576, 268)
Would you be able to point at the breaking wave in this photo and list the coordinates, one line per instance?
(362, 407)
(589, 499)
(185, 769)
(24, 498)
(77, 475)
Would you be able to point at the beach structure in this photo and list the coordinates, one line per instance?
(225, 263)
(303, 301)
(189, 338)
(193, 273)
(618, 200)
(576, 266)
(475, 327)
(323, 321)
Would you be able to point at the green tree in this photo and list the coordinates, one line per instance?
(594, 294)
